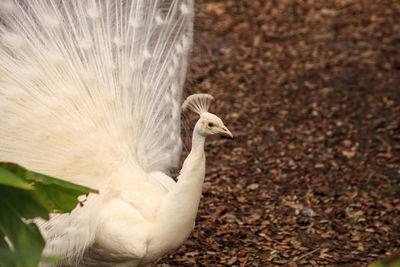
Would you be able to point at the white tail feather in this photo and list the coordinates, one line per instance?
(86, 83)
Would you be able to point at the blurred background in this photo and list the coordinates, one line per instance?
(311, 91)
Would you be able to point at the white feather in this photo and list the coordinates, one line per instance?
(81, 53)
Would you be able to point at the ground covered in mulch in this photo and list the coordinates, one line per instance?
(311, 91)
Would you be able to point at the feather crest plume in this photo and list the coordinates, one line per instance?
(198, 103)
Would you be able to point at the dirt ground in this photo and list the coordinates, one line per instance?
(311, 91)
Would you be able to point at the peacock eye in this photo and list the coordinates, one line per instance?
(210, 124)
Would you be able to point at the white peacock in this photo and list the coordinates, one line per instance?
(90, 92)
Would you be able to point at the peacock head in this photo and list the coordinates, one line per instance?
(208, 124)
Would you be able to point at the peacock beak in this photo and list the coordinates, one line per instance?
(226, 132)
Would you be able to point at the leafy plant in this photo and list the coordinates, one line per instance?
(25, 195)
(393, 261)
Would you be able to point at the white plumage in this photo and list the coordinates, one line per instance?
(90, 92)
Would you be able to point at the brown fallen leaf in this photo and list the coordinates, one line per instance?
(231, 261)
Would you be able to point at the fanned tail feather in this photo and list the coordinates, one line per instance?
(86, 85)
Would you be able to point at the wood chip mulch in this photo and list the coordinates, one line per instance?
(311, 91)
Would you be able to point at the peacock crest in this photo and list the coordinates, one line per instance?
(198, 103)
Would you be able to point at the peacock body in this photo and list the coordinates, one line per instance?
(90, 92)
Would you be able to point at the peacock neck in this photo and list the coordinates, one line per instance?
(193, 168)
(198, 141)
(191, 178)
(178, 208)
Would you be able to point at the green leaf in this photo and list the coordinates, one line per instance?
(22, 203)
(58, 198)
(50, 194)
(8, 257)
(3, 247)
(25, 238)
(20, 172)
(14, 168)
(44, 179)
(10, 179)
(378, 264)
(58, 195)
(3, 243)
(27, 195)
(13, 257)
(394, 262)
